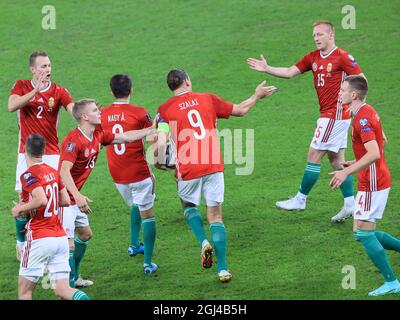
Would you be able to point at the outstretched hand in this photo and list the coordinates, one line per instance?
(263, 91)
(258, 64)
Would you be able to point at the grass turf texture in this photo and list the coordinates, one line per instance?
(273, 254)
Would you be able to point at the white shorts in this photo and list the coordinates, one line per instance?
(370, 205)
(140, 193)
(52, 160)
(50, 252)
(330, 135)
(73, 218)
(210, 186)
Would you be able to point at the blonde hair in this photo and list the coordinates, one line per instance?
(79, 108)
(326, 22)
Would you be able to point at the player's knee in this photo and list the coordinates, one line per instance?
(187, 205)
(86, 236)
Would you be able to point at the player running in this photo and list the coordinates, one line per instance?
(79, 152)
(38, 102)
(46, 246)
(190, 118)
(129, 168)
(330, 65)
(373, 181)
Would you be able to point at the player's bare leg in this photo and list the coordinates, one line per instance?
(336, 160)
(195, 222)
(310, 177)
(64, 291)
(149, 238)
(364, 232)
(218, 238)
(25, 288)
(81, 241)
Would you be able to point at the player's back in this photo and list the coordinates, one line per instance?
(366, 127)
(41, 114)
(192, 119)
(127, 162)
(44, 221)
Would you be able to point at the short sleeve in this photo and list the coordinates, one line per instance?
(17, 88)
(349, 64)
(145, 119)
(366, 130)
(304, 64)
(107, 137)
(69, 150)
(65, 97)
(29, 181)
(223, 108)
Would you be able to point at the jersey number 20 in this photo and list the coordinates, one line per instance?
(52, 196)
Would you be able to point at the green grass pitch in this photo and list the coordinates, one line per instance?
(272, 254)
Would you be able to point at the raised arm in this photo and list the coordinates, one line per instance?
(133, 135)
(261, 92)
(261, 65)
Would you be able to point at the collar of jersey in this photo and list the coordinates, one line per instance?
(45, 89)
(85, 135)
(120, 102)
(358, 108)
(181, 93)
(328, 54)
(37, 163)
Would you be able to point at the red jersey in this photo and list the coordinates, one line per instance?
(192, 119)
(366, 127)
(41, 113)
(127, 162)
(43, 222)
(329, 73)
(82, 151)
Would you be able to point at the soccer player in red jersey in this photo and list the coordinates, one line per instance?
(38, 102)
(47, 245)
(190, 118)
(79, 152)
(330, 65)
(129, 168)
(373, 181)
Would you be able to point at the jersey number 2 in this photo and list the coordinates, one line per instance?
(52, 196)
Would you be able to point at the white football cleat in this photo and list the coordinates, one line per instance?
(343, 214)
(294, 204)
(80, 282)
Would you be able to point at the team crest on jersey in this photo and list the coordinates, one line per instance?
(314, 67)
(29, 178)
(51, 102)
(363, 122)
(353, 61)
(70, 147)
(329, 67)
(366, 130)
(87, 152)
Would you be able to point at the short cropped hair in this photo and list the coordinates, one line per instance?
(35, 145)
(79, 108)
(121, 85)
(34, 55)
(326, 22)
(359, 84)
(175, 78)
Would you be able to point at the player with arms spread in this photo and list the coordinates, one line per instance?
(38, 102)
(190, 118)
(46, 246)
(330, 65)
(79, 152)
(129, 168)
(373, 181)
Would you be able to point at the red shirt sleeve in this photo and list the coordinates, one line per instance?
(161, 117)
(65, 97)
(145, 119)
(29, 181)
(107, 137)
(223, 108)
(366, 130)
(349, 64)
(69, 150)
(304, 64)
(17, 88)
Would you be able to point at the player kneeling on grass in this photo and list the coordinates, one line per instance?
(46, 242)
(79, 152)
(190, 118)
(129, 168)
(373, 181)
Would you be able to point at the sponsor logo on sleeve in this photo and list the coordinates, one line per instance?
(366, 130)
(363, 122)
(29, 179)
(353, 61)
(70, 147)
